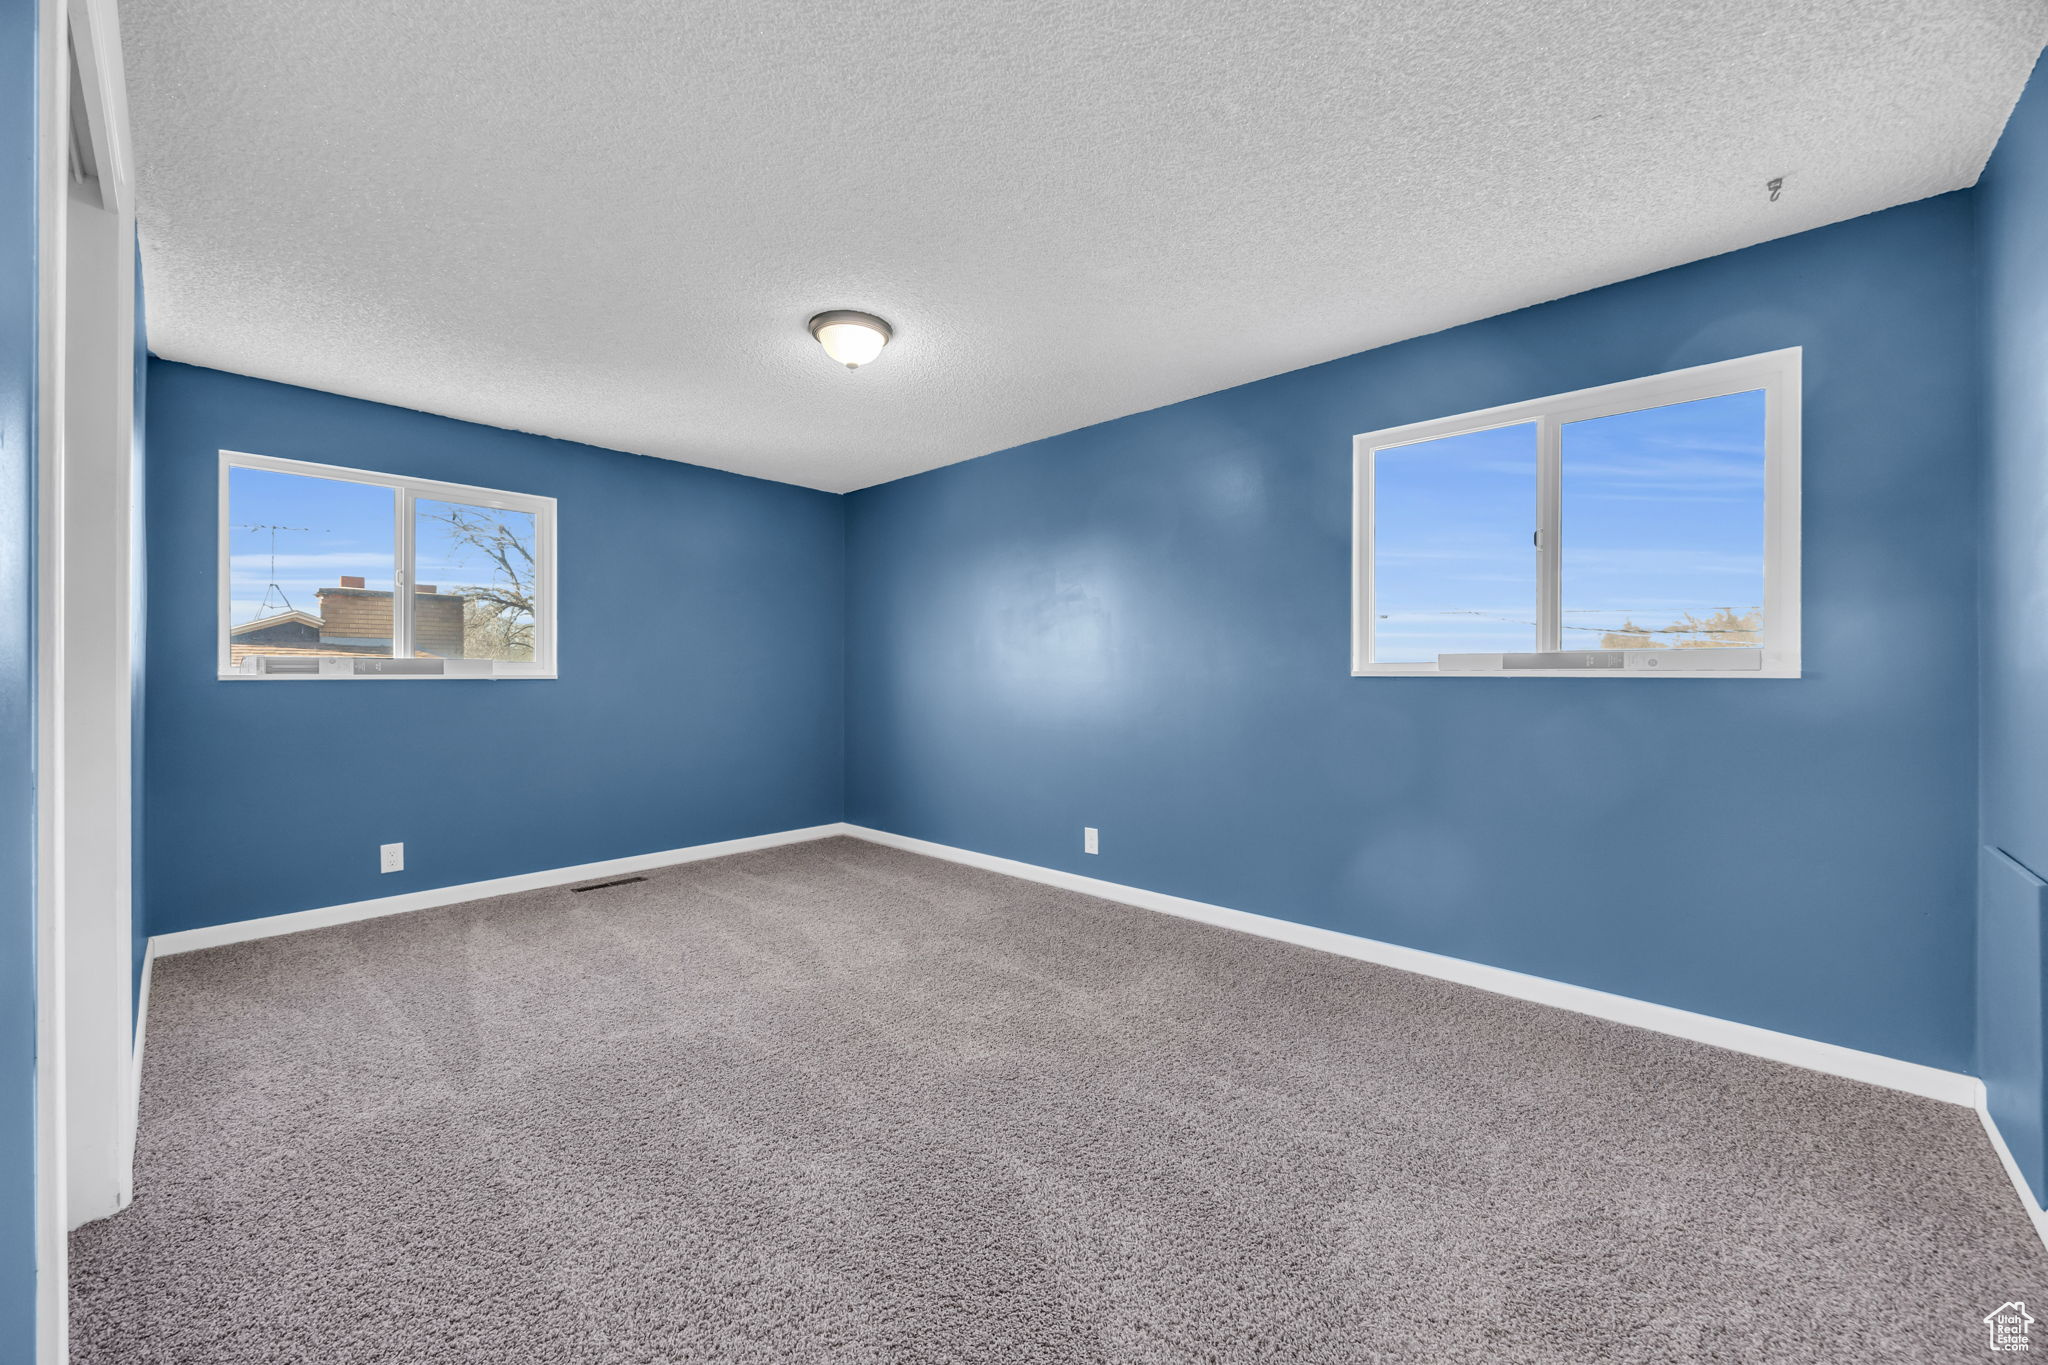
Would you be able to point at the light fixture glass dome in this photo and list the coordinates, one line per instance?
(853, 339)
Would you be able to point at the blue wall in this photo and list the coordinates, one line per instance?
(2012, 202)
(17, 676)
(1143, 626)
(700, 695)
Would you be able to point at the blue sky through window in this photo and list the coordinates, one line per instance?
(1454, 562)
(1664, 521)
(1661, 536)
(324, 529)
(290, 535)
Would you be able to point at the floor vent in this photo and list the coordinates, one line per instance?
(599, 886)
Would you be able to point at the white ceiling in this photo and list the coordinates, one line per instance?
(609, 222)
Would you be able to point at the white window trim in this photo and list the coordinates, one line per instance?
(409, 491)
(1774, 372)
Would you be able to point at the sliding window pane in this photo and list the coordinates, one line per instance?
(1453, 558)
(474, 582)
(309, 565)
(1663, 527)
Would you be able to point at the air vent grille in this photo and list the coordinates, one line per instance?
(599, 886)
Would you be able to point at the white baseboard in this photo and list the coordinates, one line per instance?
(1952, 1087)
(1948, 1086)
(240, 931)
(2012, 1167)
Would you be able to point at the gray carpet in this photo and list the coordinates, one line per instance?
(838, 1104)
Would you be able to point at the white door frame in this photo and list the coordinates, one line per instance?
(85, 636)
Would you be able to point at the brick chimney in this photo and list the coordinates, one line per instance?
(353, 614)
(437, 622)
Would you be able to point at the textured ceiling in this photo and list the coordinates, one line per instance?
(609, 222)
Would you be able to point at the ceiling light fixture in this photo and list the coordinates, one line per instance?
(853, 339)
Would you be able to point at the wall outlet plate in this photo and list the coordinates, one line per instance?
(391, 857)
(1090, 842)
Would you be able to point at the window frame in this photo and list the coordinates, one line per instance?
(407, 492)
(1776, 373)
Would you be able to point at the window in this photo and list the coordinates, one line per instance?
(1643, 529)
(338, 573)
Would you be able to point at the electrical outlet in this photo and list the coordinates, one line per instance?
(1089, 842)
(391, 857)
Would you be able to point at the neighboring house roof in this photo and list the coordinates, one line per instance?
(282, 618)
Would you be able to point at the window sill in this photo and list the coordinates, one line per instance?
(1584, 674)
(380, 677)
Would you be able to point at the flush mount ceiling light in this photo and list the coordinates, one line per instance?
(853, 339)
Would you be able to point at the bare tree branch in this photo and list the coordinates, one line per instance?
(498, 617)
